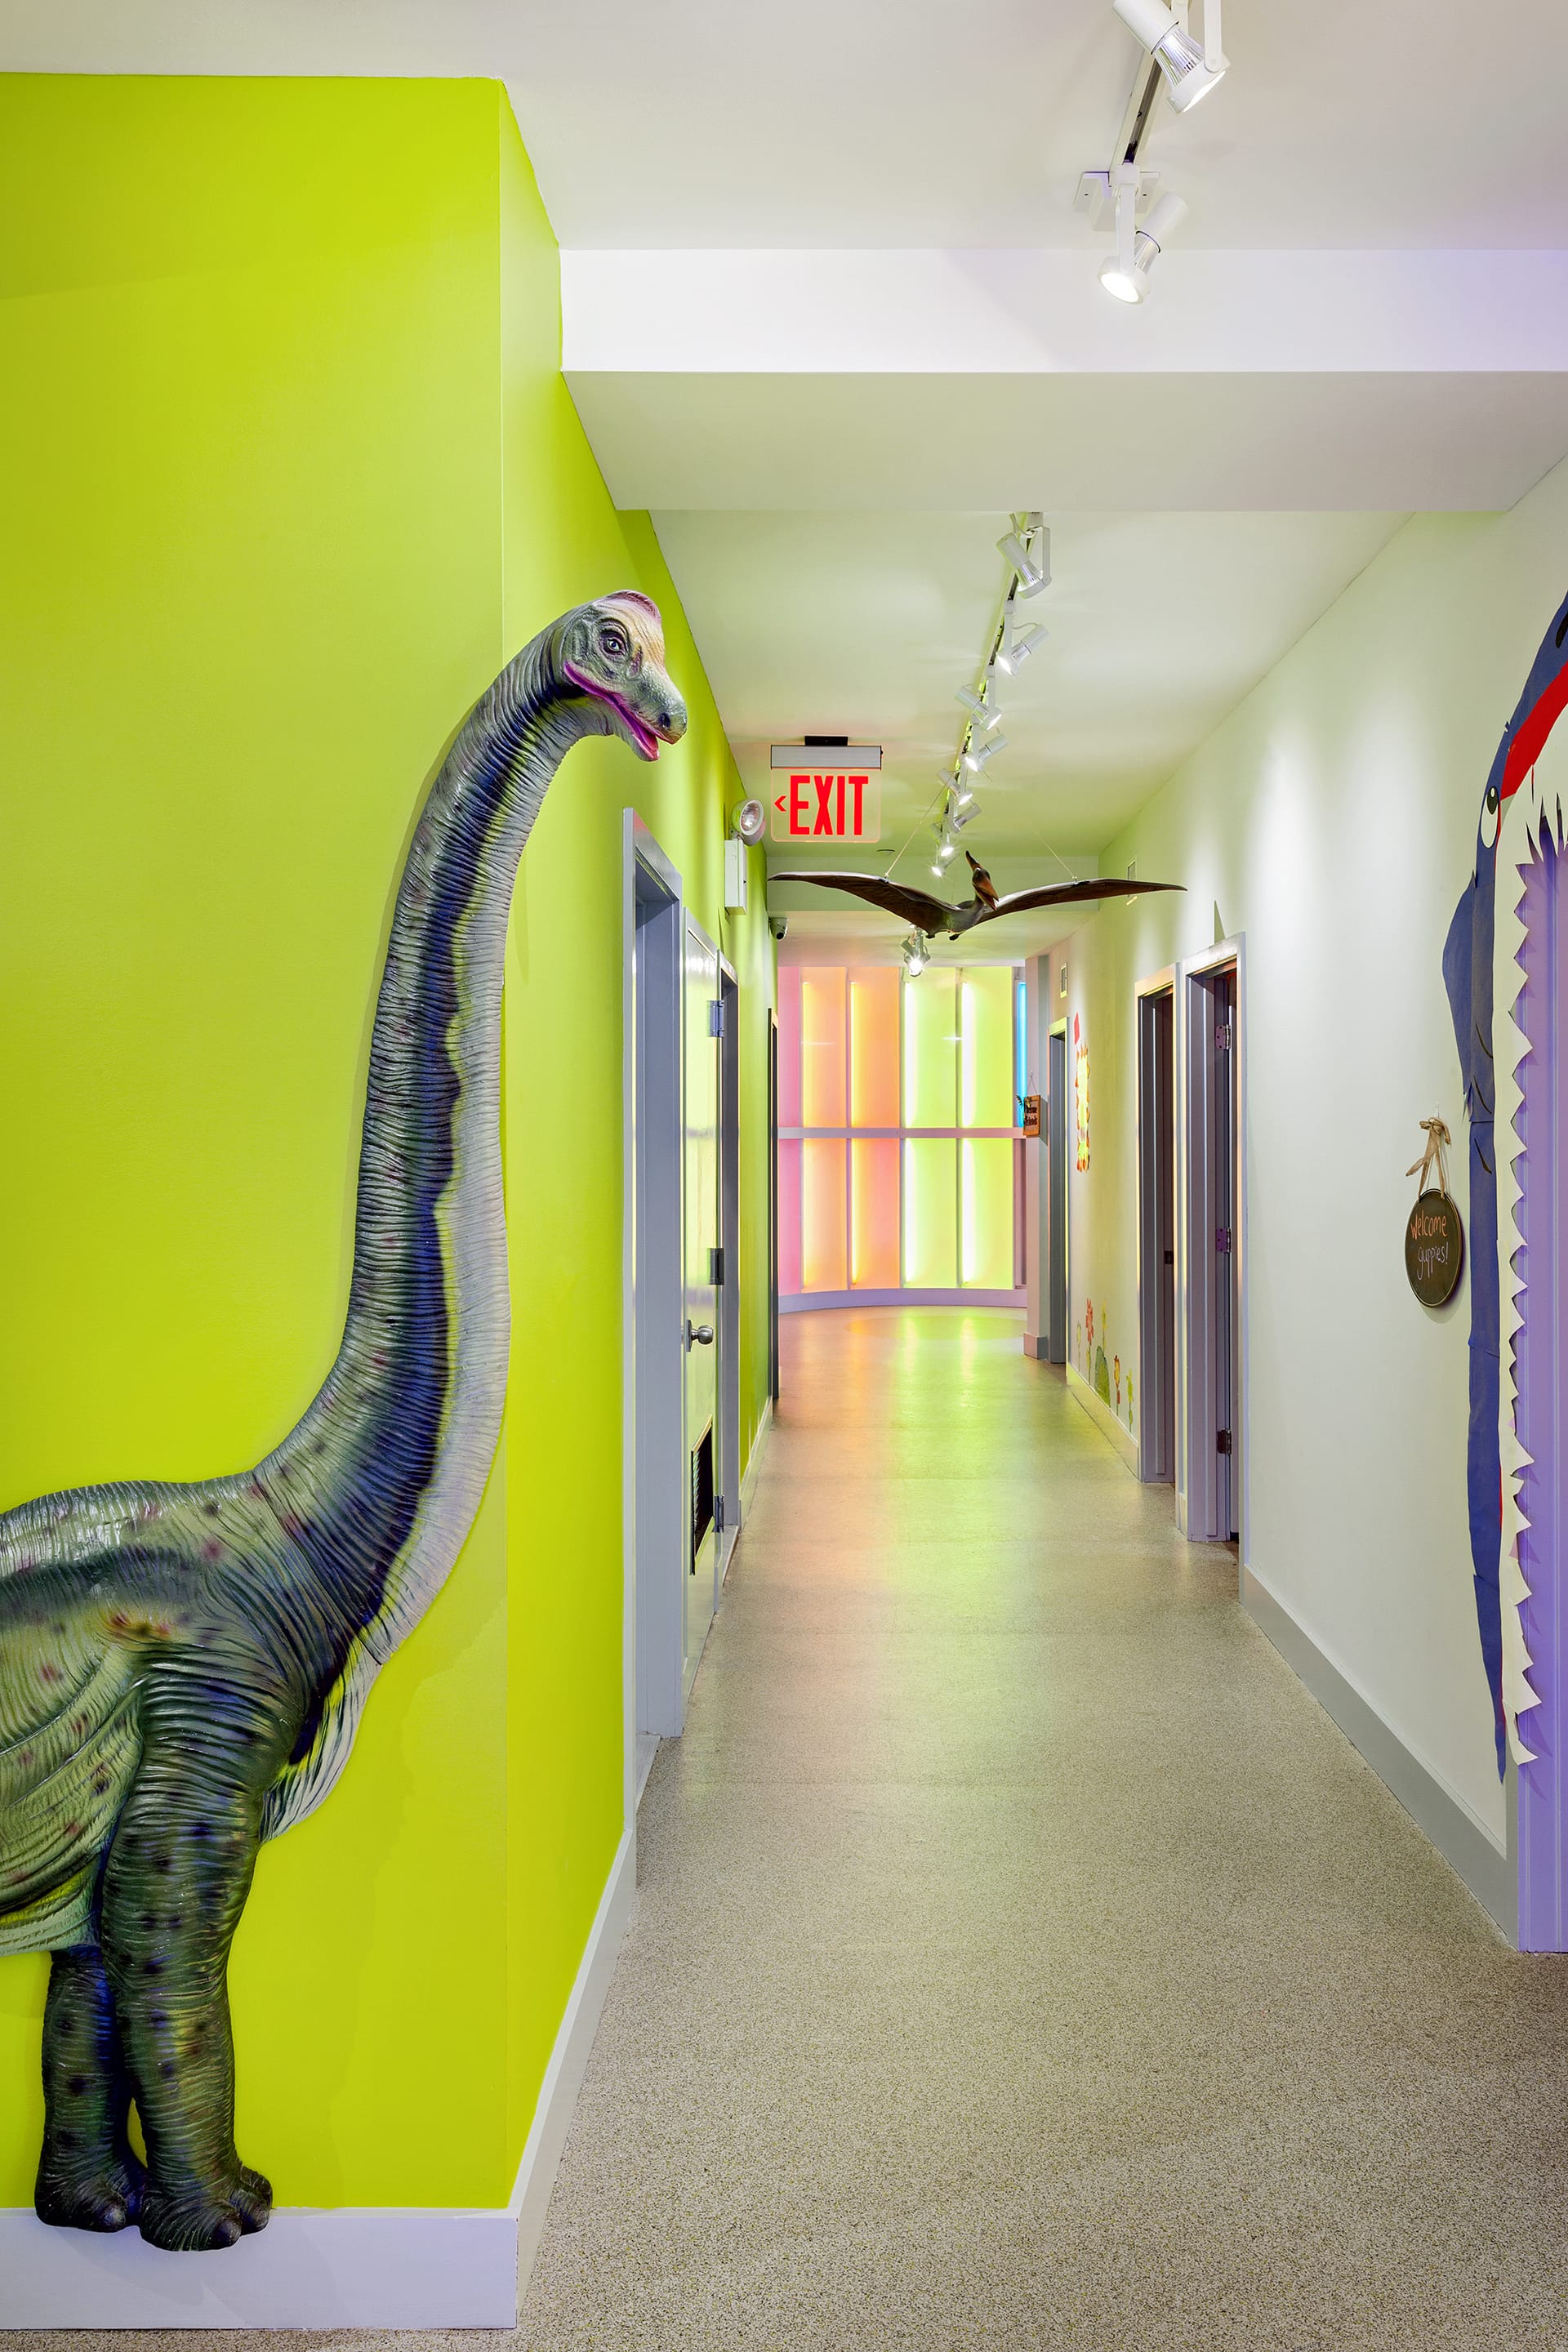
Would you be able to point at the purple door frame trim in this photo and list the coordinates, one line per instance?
(1541, 1412)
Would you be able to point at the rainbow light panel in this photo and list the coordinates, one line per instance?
(898, 1163)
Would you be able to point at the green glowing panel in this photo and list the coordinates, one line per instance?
(985, 1222)
(985, 1022)
(930, 1050)
(931, 1213)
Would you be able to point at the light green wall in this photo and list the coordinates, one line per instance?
(291, 472)
(1332, 821)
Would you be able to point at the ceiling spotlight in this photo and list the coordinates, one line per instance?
(959, 817)
(975, 759)
(915, 956)
(1019, 639)
(960, 794)
(947, 853)
(1189, 72)
(1127, 275)
(983, 712)
(1034, 571)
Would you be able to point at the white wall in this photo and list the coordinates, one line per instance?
(1332, 820)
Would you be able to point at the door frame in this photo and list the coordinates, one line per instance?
(730, 1465)
(652, 1481)
(1156, 1296)
(1194, 1265)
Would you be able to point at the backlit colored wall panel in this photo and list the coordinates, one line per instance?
(930, 1050)
(874, 1210)
(930, 1215)
(789, 1215)
(823, 1236)
(985, 1057)
(789, 1045)
(986, 1195)
(822, 1048)
(874, 1051)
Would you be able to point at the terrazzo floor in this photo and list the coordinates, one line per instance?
(1024, 1960)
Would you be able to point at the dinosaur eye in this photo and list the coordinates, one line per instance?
(1490, 817)
(613, 643)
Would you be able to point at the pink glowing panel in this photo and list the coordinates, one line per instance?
(985, 1185)
(874, 1210)
(822, 1215)
(789, 1044)
(874, 1048)
(822, 1048)
(789, 1219)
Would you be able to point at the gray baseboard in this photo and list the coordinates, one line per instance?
(1465, 1846)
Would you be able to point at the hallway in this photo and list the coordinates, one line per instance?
(1023, 1958)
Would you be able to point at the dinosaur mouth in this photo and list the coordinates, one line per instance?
(645, 742)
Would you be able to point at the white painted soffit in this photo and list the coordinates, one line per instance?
(997, 379)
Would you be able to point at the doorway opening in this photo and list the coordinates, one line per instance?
(1210, 1484)
(1157, 1232)
(1055, 1114)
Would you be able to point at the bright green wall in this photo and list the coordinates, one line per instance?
(290, 472)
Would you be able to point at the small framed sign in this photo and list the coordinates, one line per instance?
(1433, 1247)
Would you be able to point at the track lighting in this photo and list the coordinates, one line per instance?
(984, 714)
(960, 794)
(977, 754)
(1019, 639)
(1127, 275)
(915, 956)
(1032, 569)
(958, 817)
(1189, 72)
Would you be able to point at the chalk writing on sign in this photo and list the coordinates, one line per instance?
(1433, 1248)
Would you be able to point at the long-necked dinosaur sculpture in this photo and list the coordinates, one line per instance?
(182, 1667)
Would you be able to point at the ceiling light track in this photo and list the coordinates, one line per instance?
(1121, 200)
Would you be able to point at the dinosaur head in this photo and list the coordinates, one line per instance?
(610, 653)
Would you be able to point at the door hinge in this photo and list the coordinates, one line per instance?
(1222, 1036)
(716, 1268)
(1222, 1241)
(1170, 1257)
(716, 1016)
(1222, 1441)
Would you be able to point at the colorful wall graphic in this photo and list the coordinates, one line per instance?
(1081, 1092)
(899, 1162)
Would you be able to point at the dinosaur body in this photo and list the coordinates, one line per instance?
(1467, 976)
(182, 1667)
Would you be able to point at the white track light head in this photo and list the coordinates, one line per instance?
(1189, 72)
(985, 714)
(975, 759)
(960, 792)
(959, 817)
(1018, 642)
(1031, 564)
(915, 956)
(1130, 284)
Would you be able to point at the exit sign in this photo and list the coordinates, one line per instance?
(827, 792)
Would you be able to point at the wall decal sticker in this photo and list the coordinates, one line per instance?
(1080, 1094)
(1512, 815)
(183, 1668)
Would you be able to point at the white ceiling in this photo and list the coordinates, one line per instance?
(866, 625)
(838, 126)
(912, 122)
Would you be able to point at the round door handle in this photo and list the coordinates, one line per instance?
(700, 1335)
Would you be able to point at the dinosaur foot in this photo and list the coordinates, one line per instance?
(192, 2223)
(106, 2200)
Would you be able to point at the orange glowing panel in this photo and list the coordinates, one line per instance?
(874, 1209)
(822, 1048)
(822, 1215)
(874, 1050)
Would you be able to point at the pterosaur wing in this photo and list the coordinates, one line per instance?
(1073, 893)
(916, 906)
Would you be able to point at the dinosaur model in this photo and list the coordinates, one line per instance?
(1468, 968)
(182, 1667)
(937, 920)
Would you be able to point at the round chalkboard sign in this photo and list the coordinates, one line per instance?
(1433, 1248)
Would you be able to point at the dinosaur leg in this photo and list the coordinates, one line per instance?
(88, 2177)
(178, 1874)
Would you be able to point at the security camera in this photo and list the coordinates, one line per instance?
(778, 924)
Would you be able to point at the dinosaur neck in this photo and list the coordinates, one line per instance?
(382, 1478)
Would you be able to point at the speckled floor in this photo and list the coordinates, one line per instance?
(1024, 1960)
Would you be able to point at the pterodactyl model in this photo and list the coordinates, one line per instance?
(937, 920)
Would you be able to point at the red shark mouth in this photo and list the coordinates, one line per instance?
(643, 737)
